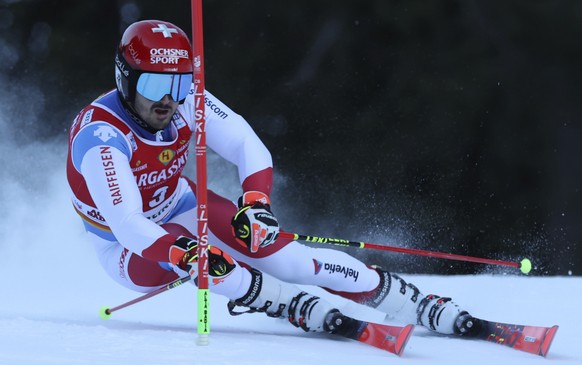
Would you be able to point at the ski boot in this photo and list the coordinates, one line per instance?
(404, 301)
(279, 299)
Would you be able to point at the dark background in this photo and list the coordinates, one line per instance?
(439, 125)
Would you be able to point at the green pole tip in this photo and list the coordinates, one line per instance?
(104, 313)
(525, 266)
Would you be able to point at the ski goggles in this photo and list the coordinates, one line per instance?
(155, 86)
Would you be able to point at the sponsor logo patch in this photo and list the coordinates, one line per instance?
(104, 133)
(167, 56)
(336, 268)
(318, 265)
(166, 156)
(87, 117)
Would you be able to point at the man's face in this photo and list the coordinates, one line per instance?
(157, 114)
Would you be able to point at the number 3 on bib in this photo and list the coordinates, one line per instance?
(158, 197)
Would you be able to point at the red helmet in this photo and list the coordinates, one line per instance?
(154, 58)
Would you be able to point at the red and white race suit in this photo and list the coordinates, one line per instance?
(129, 190)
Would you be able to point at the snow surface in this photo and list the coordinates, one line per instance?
(52, 290)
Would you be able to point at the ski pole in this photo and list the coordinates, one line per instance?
(105, 312)
(524, 265)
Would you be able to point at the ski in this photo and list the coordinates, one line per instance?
(533, 339)
(389, 338)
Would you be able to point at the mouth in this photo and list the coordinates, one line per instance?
(162, 112)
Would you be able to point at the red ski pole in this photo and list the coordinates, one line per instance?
(105, 312)
(524, 265)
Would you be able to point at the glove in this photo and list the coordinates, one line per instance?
(183, 253)
(254, 225)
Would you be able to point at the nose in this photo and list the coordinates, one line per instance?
(167, 99)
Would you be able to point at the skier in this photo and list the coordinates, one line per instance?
(127, 151)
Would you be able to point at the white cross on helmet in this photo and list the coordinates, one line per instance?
(167, 32)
